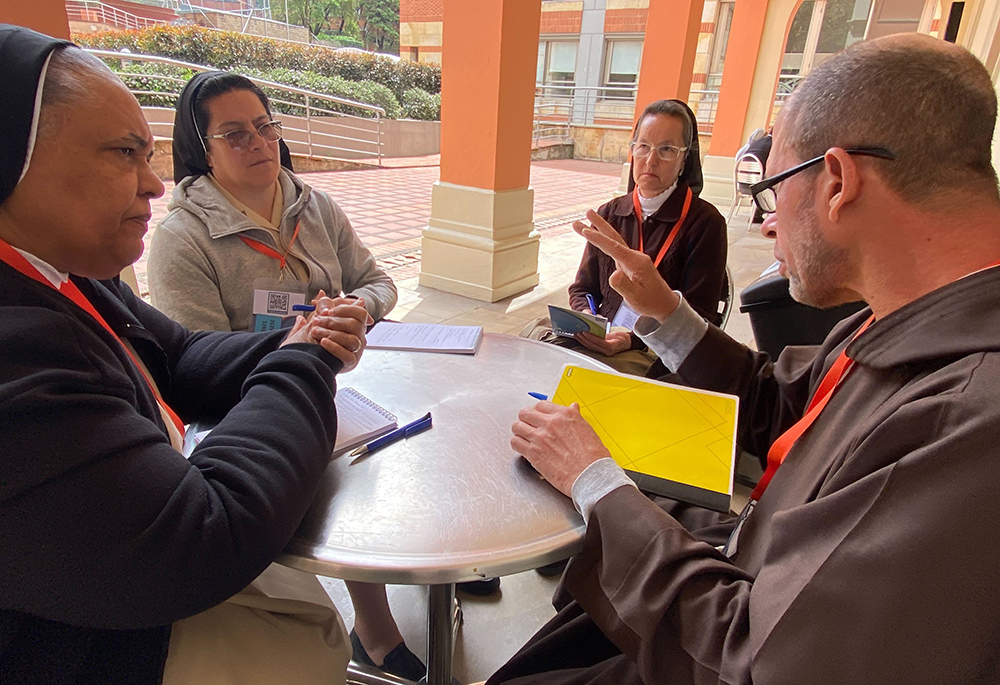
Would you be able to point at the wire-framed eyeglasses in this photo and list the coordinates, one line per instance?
(666, 153)
(242, 139)
(765, 194)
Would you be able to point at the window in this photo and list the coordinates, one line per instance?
(557, 62)
(621, 64)
(720, 40)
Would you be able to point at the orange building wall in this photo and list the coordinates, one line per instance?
(44, 16)
(421, 10)
(625, 20)
(561, 22)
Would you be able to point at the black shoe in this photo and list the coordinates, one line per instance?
(552, 570)
(400, 661)
(481, 588)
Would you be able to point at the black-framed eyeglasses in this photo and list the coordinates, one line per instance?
(765, 196)
(242, 139)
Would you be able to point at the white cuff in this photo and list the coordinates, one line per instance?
(594, 482)
(673, 340)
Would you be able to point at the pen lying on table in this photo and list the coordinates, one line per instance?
(401, 433)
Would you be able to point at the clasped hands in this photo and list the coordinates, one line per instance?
(337, 325)
(557, 440)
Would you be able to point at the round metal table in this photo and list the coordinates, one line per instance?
(451, 504)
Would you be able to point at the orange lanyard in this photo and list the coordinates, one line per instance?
(779, 449)
(270, 251)
(16, 260)
(841, 366)
(673, 232)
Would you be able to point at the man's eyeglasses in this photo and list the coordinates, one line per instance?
(242, 139)
(666, 153)
(765, 195)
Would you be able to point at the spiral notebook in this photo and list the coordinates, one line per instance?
(359, 420)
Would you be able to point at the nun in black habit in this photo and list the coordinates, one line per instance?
(664, 216)
(124, 561)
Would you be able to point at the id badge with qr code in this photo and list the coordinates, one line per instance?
(273, 301)
(625, 317)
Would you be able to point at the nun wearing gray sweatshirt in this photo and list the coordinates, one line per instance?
(201, 272)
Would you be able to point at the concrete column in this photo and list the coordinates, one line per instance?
(749, 80)
(481, 241)
(589, 61)
(44, 16)
(668, 51)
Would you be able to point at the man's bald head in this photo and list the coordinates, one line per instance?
(929, 102)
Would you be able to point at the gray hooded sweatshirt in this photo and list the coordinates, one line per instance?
(201, 273)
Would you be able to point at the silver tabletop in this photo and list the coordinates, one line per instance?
(454, 503)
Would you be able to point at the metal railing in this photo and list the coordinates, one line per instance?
(279, 30)
(320, 132)
(569, 105)
(705, 105)
(100, 13)
(559, 106)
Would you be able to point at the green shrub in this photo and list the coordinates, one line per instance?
(364, 91)
(419, 104)
(150, 79)
(228, 50)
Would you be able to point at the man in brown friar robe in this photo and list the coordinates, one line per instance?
(872, 554)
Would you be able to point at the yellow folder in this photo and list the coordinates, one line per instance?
(673, 441)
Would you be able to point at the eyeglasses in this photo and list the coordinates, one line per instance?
(666, 153)
(765, 195)
(242, 139)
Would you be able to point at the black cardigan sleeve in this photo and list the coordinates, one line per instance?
(102, 523)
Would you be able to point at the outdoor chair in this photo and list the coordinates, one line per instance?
(749, 170)
(726, 302)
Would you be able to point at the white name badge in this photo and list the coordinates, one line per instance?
(273, 301)
(625, 317)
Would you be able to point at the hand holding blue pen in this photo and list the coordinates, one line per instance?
(401, 433)
(590, 302)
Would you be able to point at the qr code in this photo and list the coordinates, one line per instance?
(277, 303)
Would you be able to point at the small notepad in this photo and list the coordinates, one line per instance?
(425, 337)
(359, 420)
(567, 322)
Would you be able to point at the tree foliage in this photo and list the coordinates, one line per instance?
(373, 24)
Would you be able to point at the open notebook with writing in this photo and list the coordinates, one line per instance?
(673, 441)
(359, 420)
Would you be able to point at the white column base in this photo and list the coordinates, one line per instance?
(626, 175)
(480, 243)
(720, 181)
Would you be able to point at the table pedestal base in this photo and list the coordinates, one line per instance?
(444, 615)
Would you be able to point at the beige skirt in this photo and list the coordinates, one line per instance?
(282, 628)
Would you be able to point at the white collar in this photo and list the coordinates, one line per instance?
(53, 275)
(651, 204)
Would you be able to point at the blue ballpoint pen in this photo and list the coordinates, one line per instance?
(539, 396)
(401, 433)
(590, 301)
